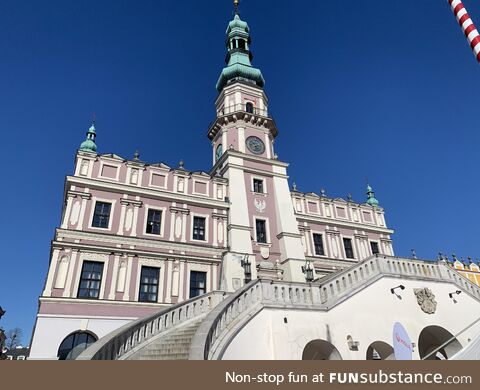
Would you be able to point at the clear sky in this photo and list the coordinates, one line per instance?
(385, 90)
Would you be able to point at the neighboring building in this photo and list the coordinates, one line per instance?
(471, 270)
(18, 353)
(137, 237)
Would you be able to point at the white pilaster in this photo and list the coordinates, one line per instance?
(51, 274)
(67, 292)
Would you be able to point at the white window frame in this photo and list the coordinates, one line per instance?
(267, 226)
(207, 223)
(97, 258)
(314, 254)
(94, 201)
(354, 248)
(198, 268)
(370, 246)
(264, 185)
(162, 220)
(160, 264)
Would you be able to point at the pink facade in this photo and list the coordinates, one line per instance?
(137, 237)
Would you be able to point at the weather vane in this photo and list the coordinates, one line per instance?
(235, 4)
(94, 118)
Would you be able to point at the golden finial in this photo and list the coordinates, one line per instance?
(235, 4)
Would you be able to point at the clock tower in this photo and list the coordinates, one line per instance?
(262, 227)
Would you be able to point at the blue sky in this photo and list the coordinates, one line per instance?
(385, 90)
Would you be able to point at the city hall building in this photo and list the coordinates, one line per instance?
(159, 262)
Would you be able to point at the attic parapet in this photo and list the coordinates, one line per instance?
(114, 169)
(337, 209)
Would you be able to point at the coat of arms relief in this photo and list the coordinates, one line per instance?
(426, 300)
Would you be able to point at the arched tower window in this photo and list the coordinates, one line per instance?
(249, 107)
(219, 152)
(74, 344)
(241, 44)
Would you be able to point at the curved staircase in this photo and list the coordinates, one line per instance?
(172, 346)
(202, 328)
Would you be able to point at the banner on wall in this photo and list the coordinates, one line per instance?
(402, 345)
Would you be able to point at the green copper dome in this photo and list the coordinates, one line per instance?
(89, 144)
(371, 197)
(239, 57)
(237, 25)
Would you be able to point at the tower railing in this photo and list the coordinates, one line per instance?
(241, 107)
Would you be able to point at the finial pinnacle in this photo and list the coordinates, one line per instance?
(235, 4)
(136, 155)
(94, 118)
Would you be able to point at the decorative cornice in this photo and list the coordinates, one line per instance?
(83, 195)
(287, 234)
(142, 191)
(113, 240)
(128, 202)
(339, 223)
(179, 210)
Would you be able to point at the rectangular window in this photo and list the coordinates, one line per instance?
(347, 244)
(154, 221)
(374, 246)
(258, 186)
(199, 228)
(261, 228)
(198, 283)
(149, 284)
(318, 243)
(101, 215)
(90, 280)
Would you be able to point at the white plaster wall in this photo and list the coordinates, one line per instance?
(367, 316)
(51, 331)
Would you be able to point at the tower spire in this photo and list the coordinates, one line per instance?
(239, 56)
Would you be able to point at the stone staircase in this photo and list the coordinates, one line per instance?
(172, 346)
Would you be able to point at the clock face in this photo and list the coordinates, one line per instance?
(255, 145)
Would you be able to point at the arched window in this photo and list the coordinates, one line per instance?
(219, 152)
(241, 44)
(74, 344)
(249, 107)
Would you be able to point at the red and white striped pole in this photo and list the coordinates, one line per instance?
(467, 25)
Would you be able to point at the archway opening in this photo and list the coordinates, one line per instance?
(379, 350)
(249, 107)
(320, 350)
(431, 338)
(74, 344)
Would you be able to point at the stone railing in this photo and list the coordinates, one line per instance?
(229, 316)
(131, 337)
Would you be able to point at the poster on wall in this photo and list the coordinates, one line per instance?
(402, 346)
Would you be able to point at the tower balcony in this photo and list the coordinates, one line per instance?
(245, 112)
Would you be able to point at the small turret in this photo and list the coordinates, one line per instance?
(371, 197)
(89, 144)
